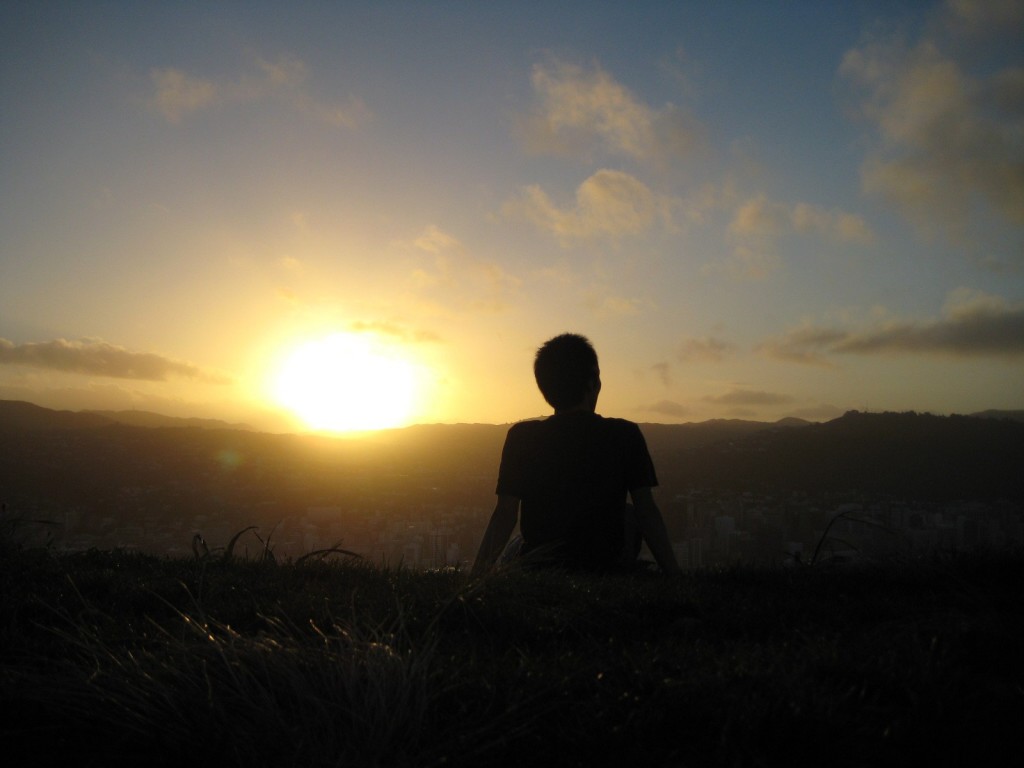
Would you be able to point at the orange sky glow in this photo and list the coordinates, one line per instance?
(361, 215)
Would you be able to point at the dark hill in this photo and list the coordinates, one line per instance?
(18, 415)
(135, 418)
(712, 432)
(994, 414)
(905, 454)
(909, 455)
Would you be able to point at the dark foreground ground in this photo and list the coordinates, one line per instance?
(115, 659)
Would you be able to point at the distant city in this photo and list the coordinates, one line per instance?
(706, 530)
(421, 497)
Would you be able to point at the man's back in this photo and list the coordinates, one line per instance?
(569, 474)
(572, 472)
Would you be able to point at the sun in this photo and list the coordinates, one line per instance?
(347, 383)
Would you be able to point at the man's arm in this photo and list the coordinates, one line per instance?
(652, 526)
(499, 529)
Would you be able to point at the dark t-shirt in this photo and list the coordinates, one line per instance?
(572, 472)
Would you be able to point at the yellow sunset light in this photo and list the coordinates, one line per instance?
(346, 383)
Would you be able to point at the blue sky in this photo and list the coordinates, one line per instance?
(754, 210)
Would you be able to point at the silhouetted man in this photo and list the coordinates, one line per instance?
(569, 475)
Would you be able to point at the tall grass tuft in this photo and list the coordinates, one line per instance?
(116, 658)
(198, 690)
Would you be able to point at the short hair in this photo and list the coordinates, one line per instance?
(565, 367)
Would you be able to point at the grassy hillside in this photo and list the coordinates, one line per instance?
(115, 659)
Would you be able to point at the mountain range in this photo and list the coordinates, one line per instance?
(911, 455)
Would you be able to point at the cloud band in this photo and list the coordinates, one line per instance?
(97, 358)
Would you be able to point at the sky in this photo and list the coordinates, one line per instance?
(753, 210)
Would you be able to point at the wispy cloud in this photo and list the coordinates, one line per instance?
(746, 263)
(973, 325)
(394, 330)
(581, 111)
(663, 371)
(97, 358)
(434, 240)
(986, 16)
(833, 225)
(605, 303)
(946, 139)
(758, 222)
(667, 408)
(705, 349)
(458, 278)
(178, 94)
(807, 344)
(749, 397)
(608, 204)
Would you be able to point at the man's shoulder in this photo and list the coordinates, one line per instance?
(525, 432)
(617, 423)
(536, 424)
(526, 426)
(539, 429)
(620, 426)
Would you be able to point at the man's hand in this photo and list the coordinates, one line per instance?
(499, 529)
(652, 526)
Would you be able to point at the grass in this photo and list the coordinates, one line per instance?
(113, 658)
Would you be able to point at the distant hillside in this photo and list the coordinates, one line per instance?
(695, 434)
(992, 414)
(909, 455)
(906, 454)
(149, 419)
(15, 414)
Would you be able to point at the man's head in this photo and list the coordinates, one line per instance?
(567, 372)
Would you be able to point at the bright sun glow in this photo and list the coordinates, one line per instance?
(345, 383)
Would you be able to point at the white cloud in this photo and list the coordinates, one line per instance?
(287, 72)
(758, 223)
(947, 124)
(581, 110)
(760, 218)
(831, 225)
(608, 204)
(178, 94)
